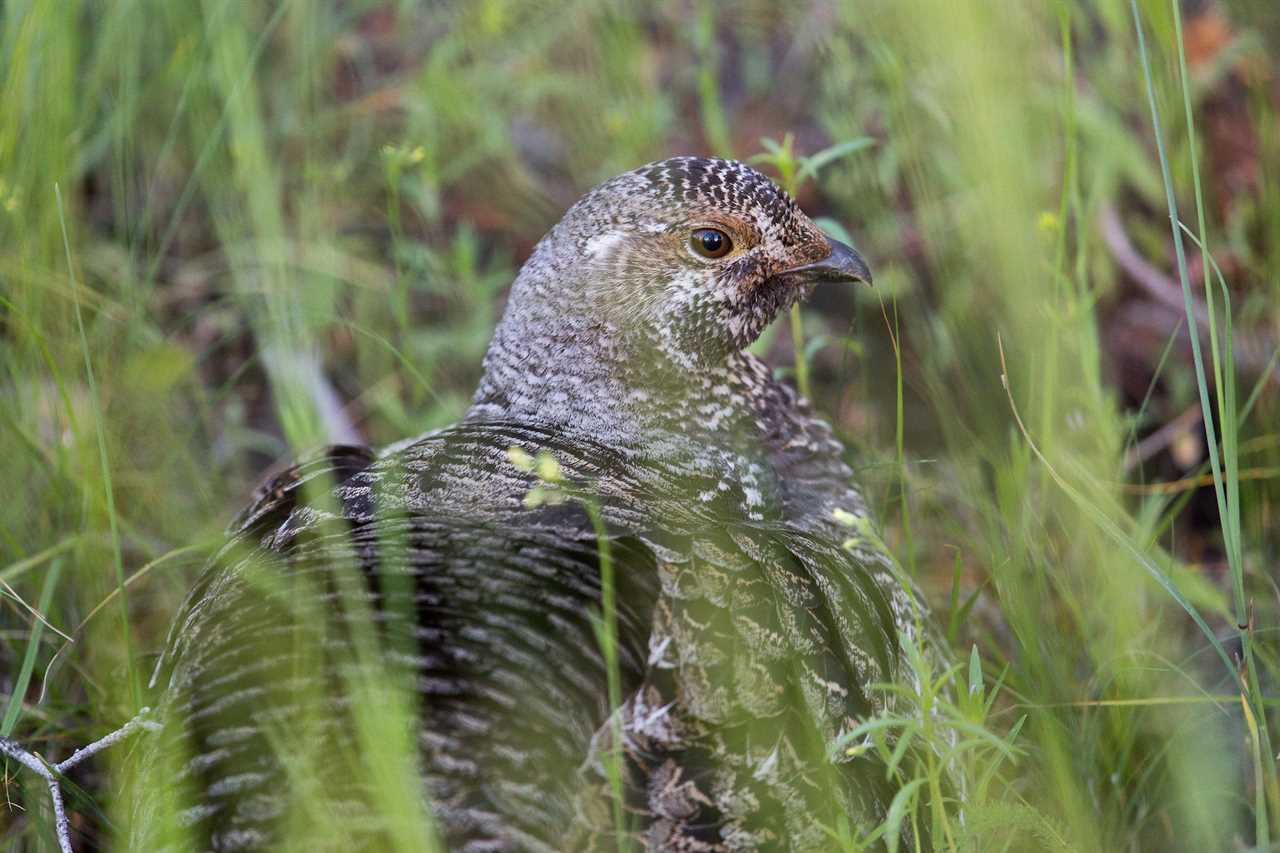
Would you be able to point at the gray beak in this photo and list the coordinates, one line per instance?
(843, 264)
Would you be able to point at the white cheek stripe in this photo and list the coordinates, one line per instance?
(602, 245)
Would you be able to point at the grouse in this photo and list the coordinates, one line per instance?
(617, 598)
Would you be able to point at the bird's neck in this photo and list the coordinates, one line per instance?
(729, 419)
(590, 380)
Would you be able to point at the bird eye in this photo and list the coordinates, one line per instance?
(710, 242)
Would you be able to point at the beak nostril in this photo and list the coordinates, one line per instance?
(842, 264)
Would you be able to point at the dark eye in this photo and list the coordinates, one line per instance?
(710, 243)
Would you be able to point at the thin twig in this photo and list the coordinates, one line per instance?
(35, 763)
(1162, 438)
(1168, 314)
(140, 721)
(1184, 484)
(1159, 286)
(50, 772)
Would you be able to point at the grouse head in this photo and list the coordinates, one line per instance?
(695, 254)
(667, 270)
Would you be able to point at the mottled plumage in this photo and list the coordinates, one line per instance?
(749, 637)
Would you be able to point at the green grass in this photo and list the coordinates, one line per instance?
(196, 196)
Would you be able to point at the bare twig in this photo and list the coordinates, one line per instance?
(1165, 313)
(51, 772)
(1155, 283)
(1161, 438)
(140, 721)
(35, 763)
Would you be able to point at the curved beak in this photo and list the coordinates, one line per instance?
(843, 264)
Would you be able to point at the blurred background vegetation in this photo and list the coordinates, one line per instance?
(232, 231)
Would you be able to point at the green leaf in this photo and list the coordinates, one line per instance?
(900, 749)
(14, 708)
(810, 165)
(834, 229)
(898, 811)
(975, 674)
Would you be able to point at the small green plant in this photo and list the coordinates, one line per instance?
(935, 737)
